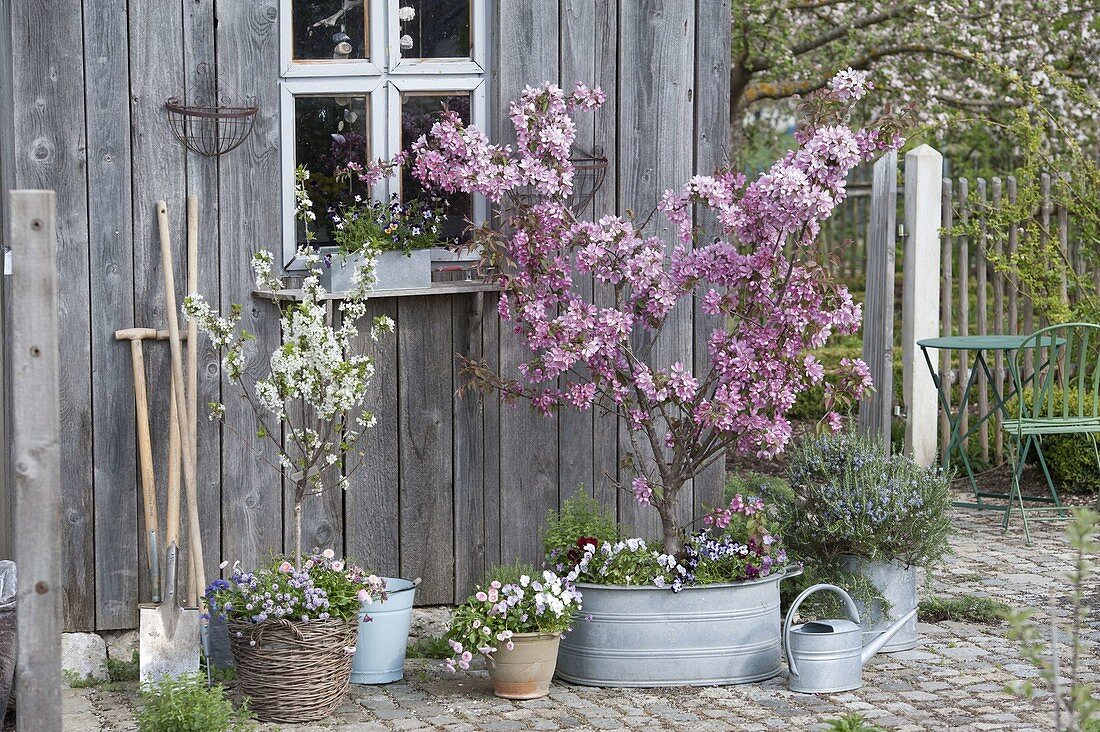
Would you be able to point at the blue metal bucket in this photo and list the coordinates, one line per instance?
(380, 651)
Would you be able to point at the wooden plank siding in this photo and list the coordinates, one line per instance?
(450, 486)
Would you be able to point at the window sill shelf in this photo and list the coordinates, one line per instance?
(438, 288)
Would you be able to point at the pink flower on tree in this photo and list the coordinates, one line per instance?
(771, 301)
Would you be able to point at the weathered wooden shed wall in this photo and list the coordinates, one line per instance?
(452, 486)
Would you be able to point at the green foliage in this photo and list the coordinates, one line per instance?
(510, 573)
(852, 723)
(187, 704)
(965, 609)
(773, 489)
(852, 498)
(1071, 458)
(1076, 706)
(1044, 142)
(119, 671)
(580, 516)
(375, 226)
(429, 647)
(826, 604)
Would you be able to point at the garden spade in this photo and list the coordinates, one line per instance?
(170, 634)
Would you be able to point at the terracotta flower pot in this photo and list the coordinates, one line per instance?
(525, 671)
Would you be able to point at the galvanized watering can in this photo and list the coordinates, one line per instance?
(826, 655)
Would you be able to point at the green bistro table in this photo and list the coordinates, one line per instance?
(979, 346)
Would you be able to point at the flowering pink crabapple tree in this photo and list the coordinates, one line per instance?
(761, 279)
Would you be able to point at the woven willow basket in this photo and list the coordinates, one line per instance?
(293, 671)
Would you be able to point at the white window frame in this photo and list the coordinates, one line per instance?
(383, 76)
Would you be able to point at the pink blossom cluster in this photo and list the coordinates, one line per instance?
(453, 157)
(738, 506)
(771, 301)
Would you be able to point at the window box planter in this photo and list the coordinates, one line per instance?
(393, 271)
(898, 585)
(705, 635)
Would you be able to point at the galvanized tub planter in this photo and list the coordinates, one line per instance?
(898, 585)
(380, 652)
(392, 271)
(649, 636)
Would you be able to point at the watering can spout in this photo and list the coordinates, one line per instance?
(876, 645)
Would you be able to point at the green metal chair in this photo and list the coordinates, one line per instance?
(1059, 368)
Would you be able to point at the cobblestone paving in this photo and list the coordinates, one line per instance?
(953, 680)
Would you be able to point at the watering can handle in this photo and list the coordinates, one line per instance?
(849, 603)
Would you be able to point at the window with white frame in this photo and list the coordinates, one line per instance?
(362, 79)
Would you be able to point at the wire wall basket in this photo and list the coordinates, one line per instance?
(589, 171)
(211, 118)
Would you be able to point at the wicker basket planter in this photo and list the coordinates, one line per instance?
(293, 671)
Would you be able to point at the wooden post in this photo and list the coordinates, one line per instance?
(921, 297)
(876, 409)
(36, 457)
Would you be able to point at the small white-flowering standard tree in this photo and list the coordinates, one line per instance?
(311, 403)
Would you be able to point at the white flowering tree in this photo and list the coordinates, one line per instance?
(935, 53)
(311, 403)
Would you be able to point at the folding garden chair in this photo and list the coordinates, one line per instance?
(1056, 373)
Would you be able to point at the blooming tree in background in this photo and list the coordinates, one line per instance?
(921, 51)
(761, 281)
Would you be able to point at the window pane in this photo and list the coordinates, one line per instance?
(439, 29)
(419, 111)
(327, 29)
(329, 133)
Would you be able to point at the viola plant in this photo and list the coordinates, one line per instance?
(323, 588)
(310, 406)
(494, 614)
(371, 227)
(738, 545)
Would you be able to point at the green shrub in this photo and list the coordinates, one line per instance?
(510, 572)
(580, 516)
(187, 704)
(1071, 458)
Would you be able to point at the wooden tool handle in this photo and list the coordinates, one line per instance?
(197, 575)
(145, 442)
(180, 397)
(172, 533)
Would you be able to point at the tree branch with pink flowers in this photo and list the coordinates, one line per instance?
(762, 280)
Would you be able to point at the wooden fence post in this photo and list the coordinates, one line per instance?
(876, 409)
(921, 297)
(36, 458)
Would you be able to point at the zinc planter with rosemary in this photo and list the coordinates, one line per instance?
(515, 621)
(866, 520)
(293, 628)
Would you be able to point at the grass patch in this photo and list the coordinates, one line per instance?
(852, 723)
(429, 647)
(965, 609)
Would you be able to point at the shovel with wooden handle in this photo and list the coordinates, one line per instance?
(145, 451)
(169, 632)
